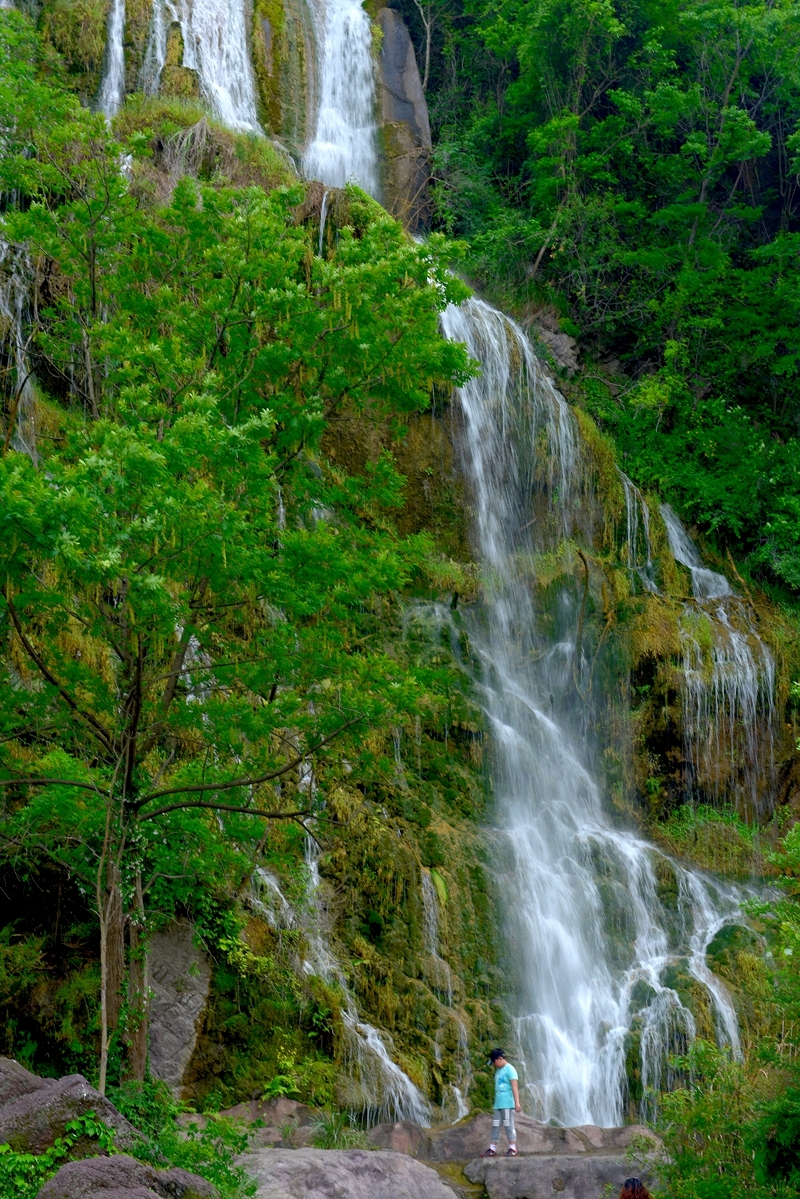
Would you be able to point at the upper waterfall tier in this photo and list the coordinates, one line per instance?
(345, 144)
(593, 941)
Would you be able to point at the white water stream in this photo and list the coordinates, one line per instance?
(216, 46)
(594, 940)
(344, 147)
(112, 85)
(16, 274)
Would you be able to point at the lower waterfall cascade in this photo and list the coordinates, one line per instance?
(590, 941)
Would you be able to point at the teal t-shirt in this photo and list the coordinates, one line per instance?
(503, 1095)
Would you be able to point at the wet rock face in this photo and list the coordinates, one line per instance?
(179, 974)
(125, 1178)
(35, 1111)
(406, 129)
(342, 1174)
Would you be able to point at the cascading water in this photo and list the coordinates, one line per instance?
(638, 544)
(728, 687)
(216, 46)
(345, 143)
(16, 273)
(112, 86)
(593, 945)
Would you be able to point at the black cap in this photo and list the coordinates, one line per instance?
(495, 1054)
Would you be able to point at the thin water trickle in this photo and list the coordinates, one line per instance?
(16, 274)
(590, 940)
(344, 147)
(216, 46)
(112, 86)
(638, 543)
(727, 688)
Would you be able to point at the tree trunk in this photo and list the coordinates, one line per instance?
(138, 994)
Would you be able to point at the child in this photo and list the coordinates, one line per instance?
(506, 1102)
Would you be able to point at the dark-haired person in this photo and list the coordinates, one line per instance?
(634, 1188)
(506, 1102)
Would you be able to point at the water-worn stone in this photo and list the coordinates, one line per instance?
(32, 1122)
(342, 1174)
(123, 1176)
(179, 974)
(402, 1137)
(15, 1081)
(565, 1176)
(406, 128)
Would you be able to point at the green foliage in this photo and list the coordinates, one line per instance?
(631, 165)
(334, 1130)
(23, 1174)
(208, 1146)
(715, 838)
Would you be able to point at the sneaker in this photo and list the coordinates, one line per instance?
(511, 1152)
(490, 1153)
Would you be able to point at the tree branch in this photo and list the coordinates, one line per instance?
(225, 807)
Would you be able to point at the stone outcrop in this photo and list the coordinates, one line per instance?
(179, 975)
(405, 127)
(342, 1174)
(565, 1176)
(122, 1177)
(34, 1111)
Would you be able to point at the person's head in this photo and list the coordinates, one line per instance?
(634, 1188)
(497, 1058)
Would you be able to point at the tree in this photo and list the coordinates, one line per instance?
(184, 577)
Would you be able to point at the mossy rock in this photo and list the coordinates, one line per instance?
(77, 30)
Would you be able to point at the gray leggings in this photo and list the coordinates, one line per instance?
(505, 1116)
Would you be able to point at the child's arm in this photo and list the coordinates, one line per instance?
(515, 1093)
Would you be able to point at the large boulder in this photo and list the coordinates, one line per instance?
(562, 1176)
(33, 1120)
(403, 1137)
(124, 1178)
(342, 1174)
(179, 974)
(15, 1081)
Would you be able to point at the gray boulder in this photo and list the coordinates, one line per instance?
(342, 1174)
(402, 1137)
(568, 1176)
(32, 1121)
(16, 1081)
(124, 1178)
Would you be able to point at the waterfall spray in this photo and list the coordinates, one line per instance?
(589, 938)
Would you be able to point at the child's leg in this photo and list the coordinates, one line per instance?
(497, 1116)
(511, 1131)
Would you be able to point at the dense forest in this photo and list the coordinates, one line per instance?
(247, 675)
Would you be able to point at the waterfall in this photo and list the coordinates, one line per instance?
(727, 688)
(379, 1089)
(345, 143)
(594, 945)
(16, 273)
(112, 86)
(216, 46)
(638, 544)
